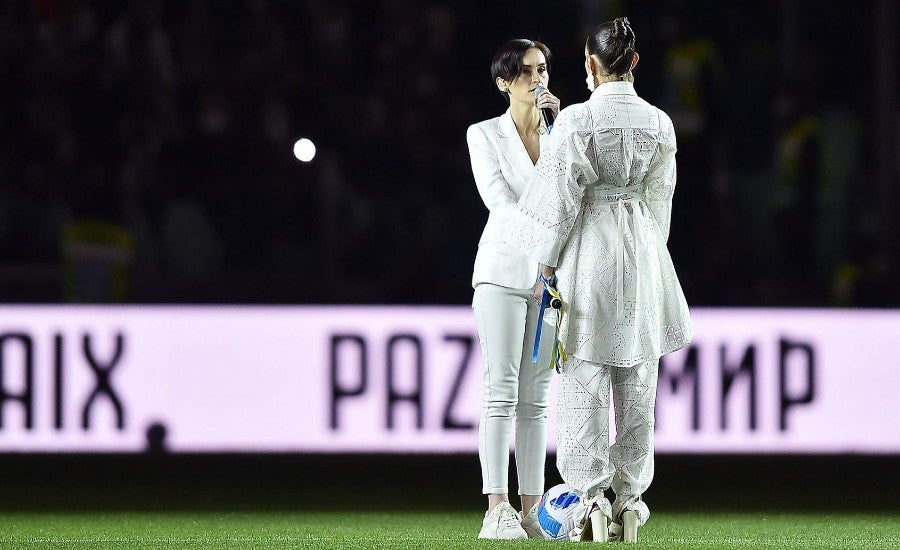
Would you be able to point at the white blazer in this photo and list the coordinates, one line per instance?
(502, 170)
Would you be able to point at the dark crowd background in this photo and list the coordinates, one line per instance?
(146, 146)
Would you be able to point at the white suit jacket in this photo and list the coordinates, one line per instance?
(502, 168)
(598, 208)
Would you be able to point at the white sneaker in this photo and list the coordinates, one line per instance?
(502, 522)
(531, 524)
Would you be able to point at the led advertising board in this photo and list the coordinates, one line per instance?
(408, 379)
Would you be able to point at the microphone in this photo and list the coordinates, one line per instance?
(546, 113)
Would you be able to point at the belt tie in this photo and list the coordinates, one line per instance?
(621, 253)
(620, 257)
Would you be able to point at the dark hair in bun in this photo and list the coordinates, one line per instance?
(613, 43)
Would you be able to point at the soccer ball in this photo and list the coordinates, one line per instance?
(557, 512)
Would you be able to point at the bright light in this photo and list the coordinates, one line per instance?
(304, 150)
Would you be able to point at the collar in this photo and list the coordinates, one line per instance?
(614, 88)
(507, 126)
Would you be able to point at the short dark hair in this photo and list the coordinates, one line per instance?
(507, 62)
(613, 43)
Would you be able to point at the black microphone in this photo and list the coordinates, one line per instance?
(546, 113)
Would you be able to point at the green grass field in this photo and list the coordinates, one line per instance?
(411, 530)
(411, 502)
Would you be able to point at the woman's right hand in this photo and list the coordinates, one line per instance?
(548, 101)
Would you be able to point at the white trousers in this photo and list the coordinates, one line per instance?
(585, 459)
(513, 388)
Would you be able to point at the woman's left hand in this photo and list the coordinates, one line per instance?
(548, 101)
(538, 292)
(547, 271)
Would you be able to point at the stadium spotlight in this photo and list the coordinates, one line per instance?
(304, 150)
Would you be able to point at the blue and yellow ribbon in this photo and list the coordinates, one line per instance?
(552, 298)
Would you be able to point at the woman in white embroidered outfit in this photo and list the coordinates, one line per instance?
(503, 151)
(599, 209)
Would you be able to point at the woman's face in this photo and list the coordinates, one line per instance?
(534, 73)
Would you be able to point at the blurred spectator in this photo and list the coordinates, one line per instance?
(171, 125)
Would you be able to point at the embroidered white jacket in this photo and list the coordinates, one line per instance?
(598, 208)
(502, 169)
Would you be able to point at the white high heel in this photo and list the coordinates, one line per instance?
(615, 532)
(594, 524)
(599, 525)
(630, 526)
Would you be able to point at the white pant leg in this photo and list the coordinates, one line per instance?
(634, 398)
(582, 427)
(503, 317)
(534, 398)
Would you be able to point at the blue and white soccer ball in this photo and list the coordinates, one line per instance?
(557, 512)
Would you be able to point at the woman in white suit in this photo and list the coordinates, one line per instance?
(599, 209)
(503, 151)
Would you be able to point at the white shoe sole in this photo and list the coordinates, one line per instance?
(521, 536)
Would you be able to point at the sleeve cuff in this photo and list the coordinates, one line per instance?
(532, 238)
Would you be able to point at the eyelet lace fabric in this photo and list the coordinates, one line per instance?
(599, 208)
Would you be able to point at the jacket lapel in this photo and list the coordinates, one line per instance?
(512, 148)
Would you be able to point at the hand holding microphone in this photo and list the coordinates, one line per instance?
(548, 104)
